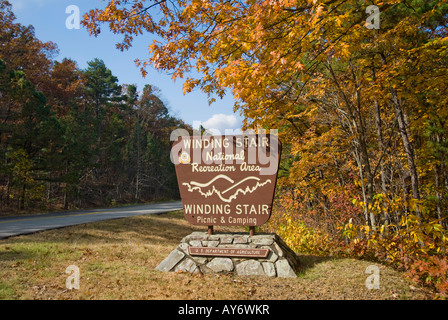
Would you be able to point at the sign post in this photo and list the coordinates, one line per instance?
(229, 181)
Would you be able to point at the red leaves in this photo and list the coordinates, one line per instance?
(431, 271)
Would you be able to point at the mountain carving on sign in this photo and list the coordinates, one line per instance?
(228, 190)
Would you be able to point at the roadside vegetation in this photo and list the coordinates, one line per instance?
(117, 258)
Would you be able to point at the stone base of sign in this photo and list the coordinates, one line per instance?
(235, 253)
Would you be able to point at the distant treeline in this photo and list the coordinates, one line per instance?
(73, 138)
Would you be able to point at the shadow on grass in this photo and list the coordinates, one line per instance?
(308, 262)
(167, 229)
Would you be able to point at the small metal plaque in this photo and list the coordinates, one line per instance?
(228, 252)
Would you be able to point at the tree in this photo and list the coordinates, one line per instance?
(31, 139)
(21, 50)
(102, 86)
(362, 113)
(72, 137)
(154, 172)
(65, 86)
(270, 54)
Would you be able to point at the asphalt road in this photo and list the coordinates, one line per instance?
(13, 226)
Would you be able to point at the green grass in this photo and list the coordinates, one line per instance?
(117, 260)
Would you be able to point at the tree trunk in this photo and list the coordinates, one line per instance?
(408, 148)
(400, 114)
(22, 197)
(437, 182)
(364, 153)
(360, 130)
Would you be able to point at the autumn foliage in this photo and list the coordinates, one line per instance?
(73, 138)
(362, 112)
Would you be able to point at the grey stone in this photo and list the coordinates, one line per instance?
(240, 240)
(187, 265)
(221, 264)
(173, 258)
(284, 270)
(184, 247)
(263, 241)
(280, 262)
(226, 240)
(196, 235)
(210, 243)
(285, 248)
(199, 234)
(237, 246)
(261, 236)
(200, 260)
(204, 269)
(279, 250)
(269, 269)
(196, 243)
(272, 257)
(250, 268)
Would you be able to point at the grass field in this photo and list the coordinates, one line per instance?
(116, 259)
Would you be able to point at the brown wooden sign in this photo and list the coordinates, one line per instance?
(227, 180)
(228, 252)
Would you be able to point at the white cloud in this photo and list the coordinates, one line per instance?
(218, 123)
(21, 4)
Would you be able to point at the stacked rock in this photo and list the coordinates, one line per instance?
(238, 253)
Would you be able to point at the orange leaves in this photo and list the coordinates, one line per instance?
(190, 84)
(258, 46)
(312, 69)
(228, 35)
(317, 14)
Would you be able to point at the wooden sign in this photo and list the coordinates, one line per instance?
(227, 180)
(228, 252)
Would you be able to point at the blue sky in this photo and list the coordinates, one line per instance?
(49, 20)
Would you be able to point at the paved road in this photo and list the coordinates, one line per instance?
(13, 226)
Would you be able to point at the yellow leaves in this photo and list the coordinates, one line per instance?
(317, 14)
(344, 51)
(301, 238)
(409, 220)
(190, 84)
(312, 69)
(417, 237)
(350, 230)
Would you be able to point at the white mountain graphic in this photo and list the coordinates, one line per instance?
(208, 189)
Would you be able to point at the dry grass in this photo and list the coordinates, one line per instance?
(117, 260)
